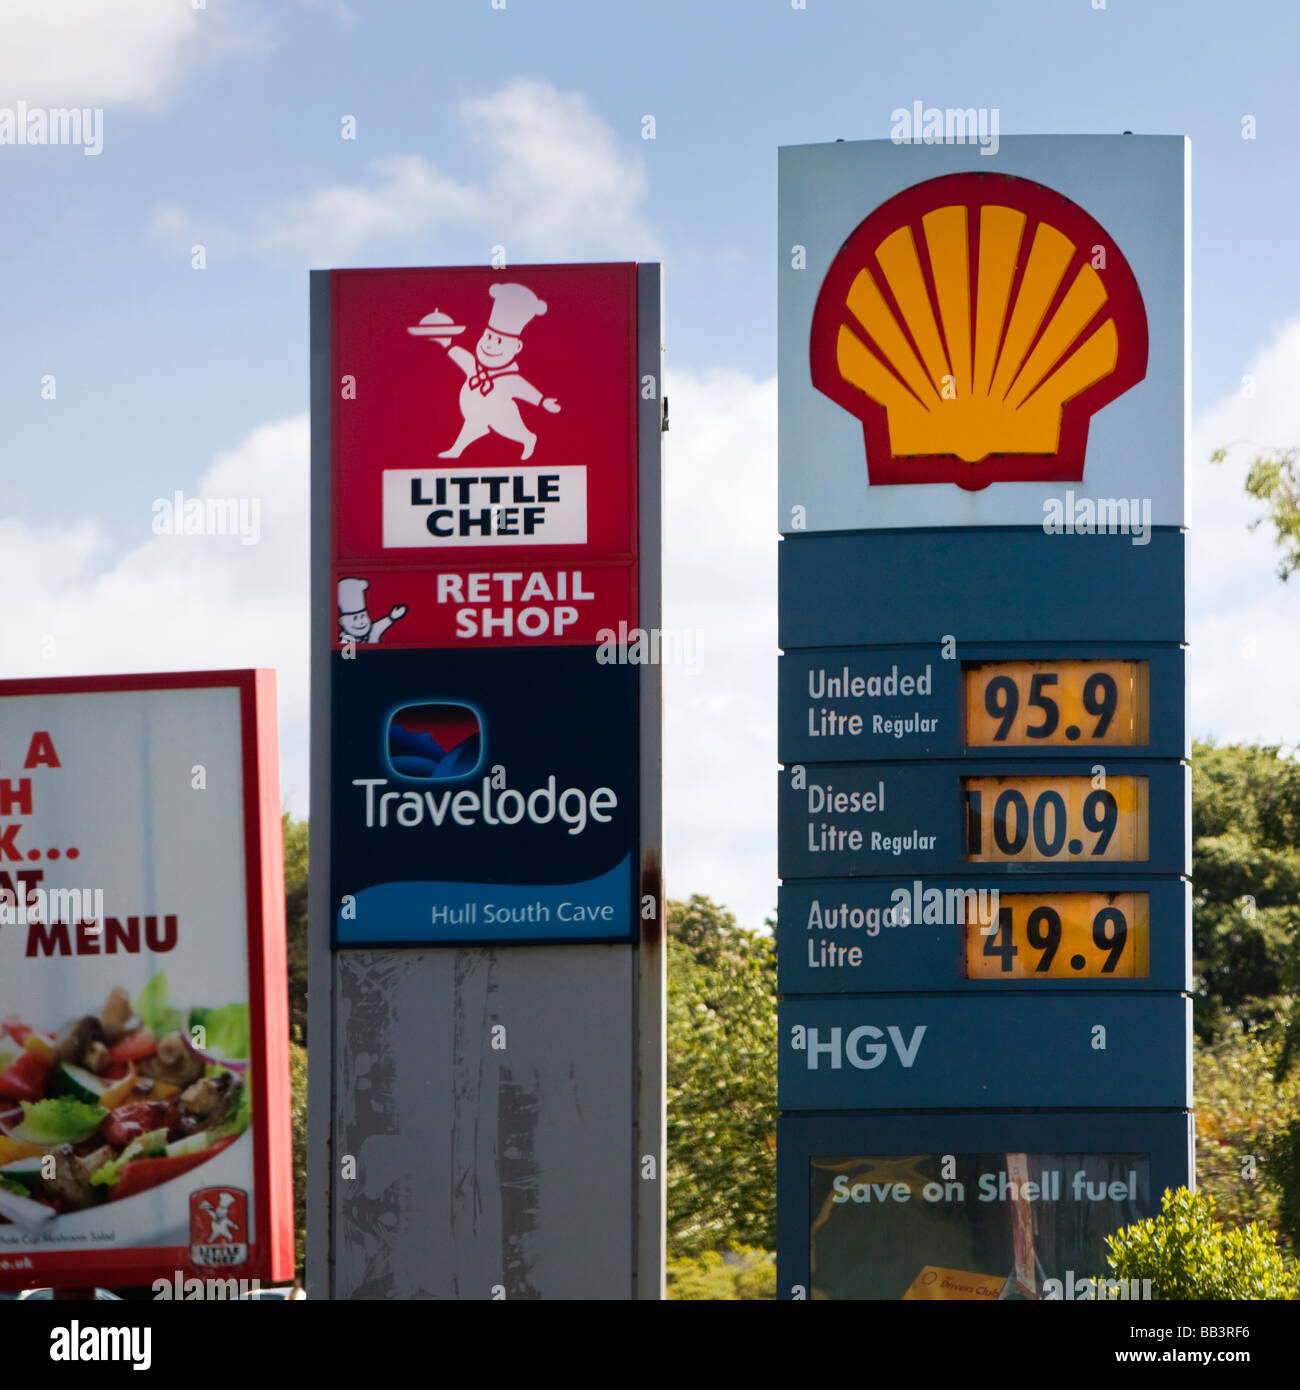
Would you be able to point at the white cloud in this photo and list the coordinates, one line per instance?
(720, 554)
(554, 179)
(551, 183)
(1236, 603)
(333, 224)
(175, 603)
(92, 53)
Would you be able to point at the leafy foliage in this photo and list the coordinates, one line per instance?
(1187, 1254)
(721, 1081)
(1282, 1158)
(298, 1120)
(1239, 1109)
(295, 918)
(1274, 478)
(713, 1276)
(1246, 882)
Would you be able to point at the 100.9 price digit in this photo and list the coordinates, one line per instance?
(1013, 823)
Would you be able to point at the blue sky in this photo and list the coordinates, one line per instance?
(523, 126)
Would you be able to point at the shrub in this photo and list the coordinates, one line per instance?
(1187, 1254)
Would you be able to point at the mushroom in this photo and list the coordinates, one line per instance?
(209, 1101)
(96, 1058)
(76, 1037)
(173, 1062)
(71, 1180)
(116, 1014)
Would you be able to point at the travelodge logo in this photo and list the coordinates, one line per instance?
(974, 323)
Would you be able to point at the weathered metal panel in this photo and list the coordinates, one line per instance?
(484, 1171)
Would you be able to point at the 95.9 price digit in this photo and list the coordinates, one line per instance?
(1056, 703)
(1062, 936)
(1051, 819)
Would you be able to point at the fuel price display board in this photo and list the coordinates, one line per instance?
(984, 788)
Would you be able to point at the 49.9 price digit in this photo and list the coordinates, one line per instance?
(1062, 936)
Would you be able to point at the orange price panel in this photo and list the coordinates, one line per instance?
(1057, 704)
(1062, 936)
(1055, 819)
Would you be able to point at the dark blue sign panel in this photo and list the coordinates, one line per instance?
(929, 935)
(990, 1207)
(484, 795)
(940, 1052)
(987, 816)
(848, 704)
(882, 588)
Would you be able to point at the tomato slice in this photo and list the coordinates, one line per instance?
(143, 1173)
(26, 1077)
(131, 1048)
(16, 1028)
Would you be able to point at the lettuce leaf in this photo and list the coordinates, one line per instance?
(156, 1013)
(226, 1030)
(58, 1121)
(151, 1145)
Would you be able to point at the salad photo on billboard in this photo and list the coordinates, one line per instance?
(114, 1103)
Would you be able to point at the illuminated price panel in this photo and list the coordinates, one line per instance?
(851, 819)
(1051, 819)
(978, 933)
(851, 705)
(1043, 704)
(1062, 936)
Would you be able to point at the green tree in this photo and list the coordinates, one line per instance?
(1274, 478)
(1246, 884)
(721, 1081)
(295, 921)
(1187, 1254)
(298, 1121)
(1240, 1106)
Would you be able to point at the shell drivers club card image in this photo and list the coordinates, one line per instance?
(487, 795)
(481, 411)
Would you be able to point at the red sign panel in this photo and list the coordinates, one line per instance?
(480, 411)
(510, 603)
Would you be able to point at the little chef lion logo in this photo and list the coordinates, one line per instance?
(494, 386)
(974, 323)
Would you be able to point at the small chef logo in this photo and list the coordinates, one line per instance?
(355, 622)
(494, 386)
(975, 323)
(219, 1226)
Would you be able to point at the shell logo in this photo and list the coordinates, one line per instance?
(974, 323)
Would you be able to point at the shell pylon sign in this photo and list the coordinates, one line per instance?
(975, 323)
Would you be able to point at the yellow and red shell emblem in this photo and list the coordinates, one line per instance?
(974, 323)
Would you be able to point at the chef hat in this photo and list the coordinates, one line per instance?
(514, 306)
(352, 595)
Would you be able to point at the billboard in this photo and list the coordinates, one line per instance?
(144, 1116)
(485, 783)
(983, 808)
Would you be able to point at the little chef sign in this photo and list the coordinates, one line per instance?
(483, 453)
(479, 410)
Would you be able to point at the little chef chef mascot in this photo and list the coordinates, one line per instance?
(355, 623)
(489, 399)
